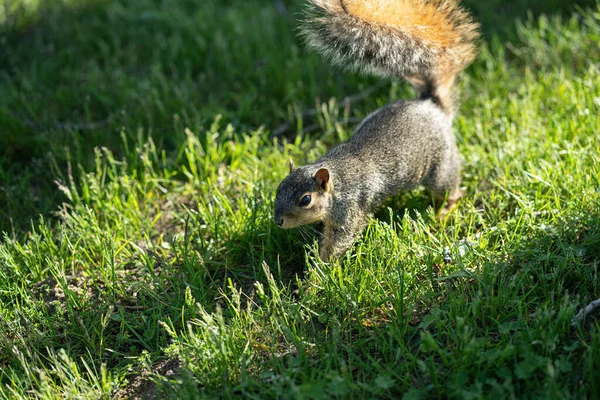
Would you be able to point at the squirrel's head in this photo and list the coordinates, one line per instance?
(303, 197)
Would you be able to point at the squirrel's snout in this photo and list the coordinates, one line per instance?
(278, 221)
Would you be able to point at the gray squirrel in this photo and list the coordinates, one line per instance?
(401, 146)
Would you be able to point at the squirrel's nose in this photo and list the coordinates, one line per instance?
(278, 221)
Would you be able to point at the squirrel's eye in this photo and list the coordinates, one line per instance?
(305, 200)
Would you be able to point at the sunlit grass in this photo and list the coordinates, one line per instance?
(135, 130)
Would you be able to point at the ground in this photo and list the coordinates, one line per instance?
(140, 147)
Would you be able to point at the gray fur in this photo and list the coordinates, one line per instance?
(360, 46)
(397, 148)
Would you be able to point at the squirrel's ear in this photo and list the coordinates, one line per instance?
(322, 178)
(292, 166)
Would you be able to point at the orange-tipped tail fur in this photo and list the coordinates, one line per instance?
(428, 42)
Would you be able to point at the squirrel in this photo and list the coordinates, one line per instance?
(401, 146)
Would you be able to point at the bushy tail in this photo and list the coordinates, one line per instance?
(428, 42)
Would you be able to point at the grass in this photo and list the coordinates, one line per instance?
(137, 175)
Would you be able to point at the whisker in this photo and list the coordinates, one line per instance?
(303, 233)
(316, 231)
(308, 232)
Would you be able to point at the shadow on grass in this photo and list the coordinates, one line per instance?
(497, 17)
(113, 322)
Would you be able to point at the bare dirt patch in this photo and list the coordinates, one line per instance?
(142, 386)
(54, 293)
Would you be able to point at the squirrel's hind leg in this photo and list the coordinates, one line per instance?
(444, 182)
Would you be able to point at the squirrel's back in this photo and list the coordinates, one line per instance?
(399, 143)
(428, 42)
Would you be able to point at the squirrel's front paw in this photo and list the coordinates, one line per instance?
(330, 253)
(325, 253)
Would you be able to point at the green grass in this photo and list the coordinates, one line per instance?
(137, 176)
